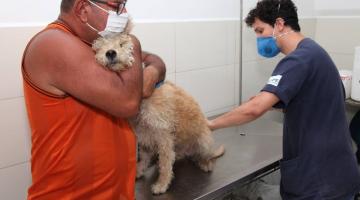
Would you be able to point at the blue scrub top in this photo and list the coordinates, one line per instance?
(318, 161)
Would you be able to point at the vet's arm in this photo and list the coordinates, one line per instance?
(154, 72)
(248, 111)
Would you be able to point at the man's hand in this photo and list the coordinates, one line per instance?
(151, 77)
(153, 72)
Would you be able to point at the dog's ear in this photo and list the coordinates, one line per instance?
(98, 43)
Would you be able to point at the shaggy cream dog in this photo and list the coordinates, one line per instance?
(114, 51)
(170, 124)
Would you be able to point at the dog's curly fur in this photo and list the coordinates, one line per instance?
(110, 55)
(114, 51)
(170, 124)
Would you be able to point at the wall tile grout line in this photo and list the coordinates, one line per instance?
(13, 165)
(11, 98)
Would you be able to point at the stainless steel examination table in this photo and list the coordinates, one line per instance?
(252, 150)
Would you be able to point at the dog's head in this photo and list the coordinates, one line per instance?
(114, 51)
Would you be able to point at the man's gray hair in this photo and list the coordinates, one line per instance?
(66, 5)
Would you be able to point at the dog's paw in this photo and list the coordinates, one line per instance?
(159, 188)
(139, 176)
(206, 166)
(129, 61)
(118, 67)
(141, 168)
(139, 173)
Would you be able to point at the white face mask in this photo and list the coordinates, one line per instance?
(115, 23)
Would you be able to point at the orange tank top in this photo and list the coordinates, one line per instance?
(78, 152)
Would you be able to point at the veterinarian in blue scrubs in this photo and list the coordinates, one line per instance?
(318, 161)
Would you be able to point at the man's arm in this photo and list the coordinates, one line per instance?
(62, 64)
(248, 111)
(154, 72)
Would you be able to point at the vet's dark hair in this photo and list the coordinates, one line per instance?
(268, 11)
(66, 5)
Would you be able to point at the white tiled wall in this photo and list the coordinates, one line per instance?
(13, 42)
(237, 87)
(215, 47)
(205, 64)
(14, 181)
(201, 56)
(15, 146)
(339, 36)
(213, 88)
(14, 130)
(158, 38)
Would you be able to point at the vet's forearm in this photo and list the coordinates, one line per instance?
(248, 111)
(238, 116)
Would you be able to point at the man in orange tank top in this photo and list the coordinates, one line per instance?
(82, 144)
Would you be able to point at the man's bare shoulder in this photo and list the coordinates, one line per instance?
(54, 41)
(49, 52)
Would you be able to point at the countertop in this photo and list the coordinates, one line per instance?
(251, 150)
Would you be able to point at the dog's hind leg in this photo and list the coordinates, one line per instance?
(144, 162)
(206, 153)
(165, 164)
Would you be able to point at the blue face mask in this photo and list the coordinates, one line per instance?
(267, 47)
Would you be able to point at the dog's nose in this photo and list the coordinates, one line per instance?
(111, 54)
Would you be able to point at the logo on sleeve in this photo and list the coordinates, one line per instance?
(274, 80)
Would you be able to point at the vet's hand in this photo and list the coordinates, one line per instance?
(151, 77)
(210, 124)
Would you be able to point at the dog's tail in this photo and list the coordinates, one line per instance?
(218, 152)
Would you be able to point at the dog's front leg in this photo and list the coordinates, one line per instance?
(144, 162)
(166, 161)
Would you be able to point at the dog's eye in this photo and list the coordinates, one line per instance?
(121, 45)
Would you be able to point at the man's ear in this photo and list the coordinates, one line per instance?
(81, 9)
(280, 23)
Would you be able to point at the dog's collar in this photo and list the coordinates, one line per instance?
(158, 84)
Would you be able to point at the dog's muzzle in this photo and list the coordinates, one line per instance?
(111, 55)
